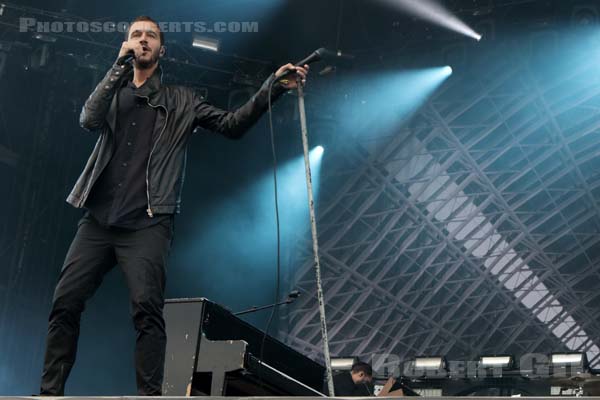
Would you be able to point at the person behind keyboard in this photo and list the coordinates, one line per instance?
(356, 382)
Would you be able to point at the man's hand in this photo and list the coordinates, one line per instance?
(387, 387)
(129, 46)
(289, 81)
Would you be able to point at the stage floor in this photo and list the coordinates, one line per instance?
(269, 398)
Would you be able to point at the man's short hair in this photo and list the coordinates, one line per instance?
(362, 367)
(148, 19)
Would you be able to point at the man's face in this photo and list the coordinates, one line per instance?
(147, 35)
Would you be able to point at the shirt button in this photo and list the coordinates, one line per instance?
(124, 164)
(133, 124)
(120, 185)
(128, 143)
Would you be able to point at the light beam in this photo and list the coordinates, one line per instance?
(434, 12)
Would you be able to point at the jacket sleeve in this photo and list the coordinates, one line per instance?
(234, 124)
(93, 113)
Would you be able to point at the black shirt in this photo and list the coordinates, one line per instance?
(119, 197)
(345, 386)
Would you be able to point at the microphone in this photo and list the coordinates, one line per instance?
(315, 56)
(129, 56)
(294, 294)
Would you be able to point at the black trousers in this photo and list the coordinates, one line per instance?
(142, 255)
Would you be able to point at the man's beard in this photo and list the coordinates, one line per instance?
(147, 64)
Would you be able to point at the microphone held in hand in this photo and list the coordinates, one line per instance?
(315, 56)
(129, 56)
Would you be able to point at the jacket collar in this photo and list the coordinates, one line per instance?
(152, 87)
(152, 90)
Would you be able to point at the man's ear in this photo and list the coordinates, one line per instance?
(162, 51)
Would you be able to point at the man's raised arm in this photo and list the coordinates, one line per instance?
(234, 124)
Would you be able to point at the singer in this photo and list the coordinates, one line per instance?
(131, 188)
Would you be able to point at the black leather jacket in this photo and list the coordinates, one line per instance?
(180, 111)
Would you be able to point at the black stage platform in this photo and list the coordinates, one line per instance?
(271, 398)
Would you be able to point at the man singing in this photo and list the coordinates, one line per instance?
(131, 188)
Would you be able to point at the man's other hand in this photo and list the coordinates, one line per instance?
(290, 81)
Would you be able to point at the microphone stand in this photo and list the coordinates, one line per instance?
(313, 228)
(254, 309)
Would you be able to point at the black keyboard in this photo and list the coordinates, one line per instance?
(212, 352)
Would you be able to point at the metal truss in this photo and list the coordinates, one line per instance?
(472, 230)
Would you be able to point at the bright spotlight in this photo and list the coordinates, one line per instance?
(495, 361)
(433, 12)
(318, 151)
(315, 156)
(448, 70)
(433, 363)
(568, 358)
(343, 364)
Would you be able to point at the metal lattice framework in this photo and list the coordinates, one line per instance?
(472, 230)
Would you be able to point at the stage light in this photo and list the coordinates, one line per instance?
(562, 359)
(315, 156)
(448, 70)
(568, 364)
(436, 13)
(429, 363)
(343, 364)
(206, 43)
(430, 367)
(495, 361)
(381, 101)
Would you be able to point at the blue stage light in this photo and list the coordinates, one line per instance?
(316, 152)
(380, 101)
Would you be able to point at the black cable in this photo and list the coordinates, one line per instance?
(278, 275)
